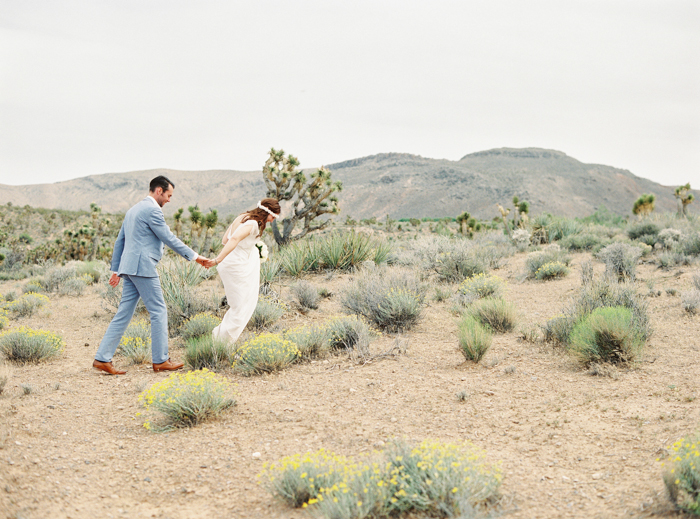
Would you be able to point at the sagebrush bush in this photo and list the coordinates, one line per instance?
(5, 374)
(670, 259)
(667, 238)
(584, 242)
(349, 332)
(606, 335)
(474, 339)
(432, 479)
(682, 477)
(187, 399)
(496, 313)
(638, 230)
(35, 285)
(97, 270)
(482, 285)
(56, 277)
(306, 295)
(620, 260)
(135, 344)
(267, 312)
(551, 270)
(312, 340)
(266, 353)
(690, 301)
(690, 244)
(535, 260)
(25, 345)
(199, 325)
(204, 351)
(4, 320)
(390, 299)
(26, 304)
(75, 286)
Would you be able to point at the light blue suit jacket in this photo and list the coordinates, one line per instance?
(139, 246)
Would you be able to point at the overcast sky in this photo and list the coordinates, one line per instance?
(102, 86)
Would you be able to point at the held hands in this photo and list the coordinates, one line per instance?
(114, 279)
(205, 262)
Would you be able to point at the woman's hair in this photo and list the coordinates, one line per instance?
(260, 215)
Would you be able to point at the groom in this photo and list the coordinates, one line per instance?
(137, 251)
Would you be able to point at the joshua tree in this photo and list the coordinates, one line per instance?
(467, 224)
(210, 221)
(521, 209)
(685, 198)
(195, 222)
(504, 214)
(178, 222)
(644, 205)
(310, 198)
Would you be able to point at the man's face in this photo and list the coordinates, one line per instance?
(163, 197)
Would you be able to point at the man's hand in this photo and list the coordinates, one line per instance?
(204, 262)
(114, 279)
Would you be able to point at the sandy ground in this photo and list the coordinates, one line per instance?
(571, 444)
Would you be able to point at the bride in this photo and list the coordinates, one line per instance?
(239, 267)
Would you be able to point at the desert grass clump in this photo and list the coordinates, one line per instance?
(313, 341)
(204, 351)
(265, 353)
(199, 325)
(481, 286)
(607, 335)
(682, 477)
(4, 319)
(5, 374)
(498, 314)
(75, 286)
(690, 301)
(26, 304)
(536, 260)
(349, 332)
(56, 277)
(551, 270)
(620, 260)
(306, 295)
(26, 345)
(474, 338)
(135, 344)
(267, 312)
(389, 299)
(187, 399)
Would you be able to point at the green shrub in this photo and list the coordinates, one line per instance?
(306, 295)
(300, 257)
(270, 269)
(56, 277)
(474, 339)
(35, 285)
(607, 335)
(75, 286)
(187, 399)
(266, 353)
(690, 245)
(668, 259)
(348, 332)
(26, 304)
(682, 478)
(535, 260)
(97, 270)
(481, 286)
(313, 341)
(583, 242)
(383, 253)
(343, 251)
(266, 312)
(24, 345)
(179, 280)
(636, 231)
(620, 260)
(204, 351)
(391, 300)
(135, 344)
(551, 270)
(198, 326)
(498, 314)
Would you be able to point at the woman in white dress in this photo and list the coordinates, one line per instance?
(239, 267)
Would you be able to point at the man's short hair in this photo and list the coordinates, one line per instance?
(162, 182)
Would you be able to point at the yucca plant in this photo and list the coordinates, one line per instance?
(344, 251)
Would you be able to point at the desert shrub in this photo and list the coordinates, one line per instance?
(696, 281)
(28, 345)
(9, 296)
(198, 326)
(179, 280)
(204, 351)
(535, 260)
(667, 238)
(482, 285)
(35, 285)
(690, 244)
(4, 320)
(187, 399)
(306, 295)
(599, 293)
(521, 239)
(432, 479)
(97, 270)
(348, 332)
(26, 304)
(552, 270)
(620, 260)
(474, 339)
(496, 313)
(266, 353)
(313, 341)
(583, 242)
(56, 277)
(638, 230)
(606, 335)
(270, 269)
(5, 374)
(135, 344)
(682, 477)
(383, 253)
(690, 301)
(300, 257)
(342, 251)
(392, 300)
(441, 294)
(75, 286)
(670, 259)
(267, 311)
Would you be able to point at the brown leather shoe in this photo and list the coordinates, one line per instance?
(107, 367)
(168, 365)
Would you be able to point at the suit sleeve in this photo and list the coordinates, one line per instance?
(117, 251)
(164, 234)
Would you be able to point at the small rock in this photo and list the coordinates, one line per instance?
(147, 479)
(114, 496)
(378, 444)
(393, 419)
(256, 455)
(353, 390)
(597, 475)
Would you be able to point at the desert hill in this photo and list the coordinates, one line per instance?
(398, 184)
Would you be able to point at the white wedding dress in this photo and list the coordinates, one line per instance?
(240, 273)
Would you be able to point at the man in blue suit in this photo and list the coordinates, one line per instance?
(137, 251)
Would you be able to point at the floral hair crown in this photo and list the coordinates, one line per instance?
(260, 206)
